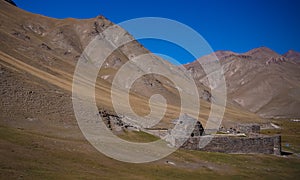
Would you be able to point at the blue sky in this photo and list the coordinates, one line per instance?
(236, 25)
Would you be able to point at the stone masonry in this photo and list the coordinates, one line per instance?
(241, 145)
(250, 142)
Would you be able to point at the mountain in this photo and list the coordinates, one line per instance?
(292, 55)
(40, 137)
(259, 80)
(48, 49)
(44, 52)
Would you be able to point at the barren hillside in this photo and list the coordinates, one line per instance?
(48, 50)
(260, 80)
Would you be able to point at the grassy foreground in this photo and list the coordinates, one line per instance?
(28, 155)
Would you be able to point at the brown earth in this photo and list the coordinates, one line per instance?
(260, 80)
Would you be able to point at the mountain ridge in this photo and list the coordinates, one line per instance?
(54, 45)
(221, 53)
(252, 80)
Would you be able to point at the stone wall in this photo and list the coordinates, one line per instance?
(226, 144)
(248, 128)
(157, 132)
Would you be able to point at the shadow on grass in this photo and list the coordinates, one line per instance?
(286, 153)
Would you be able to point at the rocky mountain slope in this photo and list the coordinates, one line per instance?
(49, 49)
(52, 48)
(260, 80)
(293, 55)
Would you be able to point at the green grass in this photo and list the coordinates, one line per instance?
(34, 156)
(290, 134)
(137, 136)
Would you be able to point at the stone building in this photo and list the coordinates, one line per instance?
(189, 133)
(248, 128)
(185, 128)
(253, 142)
(240, 145)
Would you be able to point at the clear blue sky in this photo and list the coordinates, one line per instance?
(236, 25)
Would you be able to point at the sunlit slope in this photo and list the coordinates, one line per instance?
(49, 48)
(261, 81)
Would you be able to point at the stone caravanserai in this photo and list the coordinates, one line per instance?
(189, 133)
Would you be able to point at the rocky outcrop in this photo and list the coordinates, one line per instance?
(206, 95)
(276, 60)
(117, 123)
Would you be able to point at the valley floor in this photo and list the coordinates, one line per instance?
(30, 154)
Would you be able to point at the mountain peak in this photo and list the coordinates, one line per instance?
(262, 49)
(262, 53)
(222, 53)
(291, 52)
(292, 55)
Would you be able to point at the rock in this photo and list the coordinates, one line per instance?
(45, 46)
(21, 35)
(206, 95)
(276, 60)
